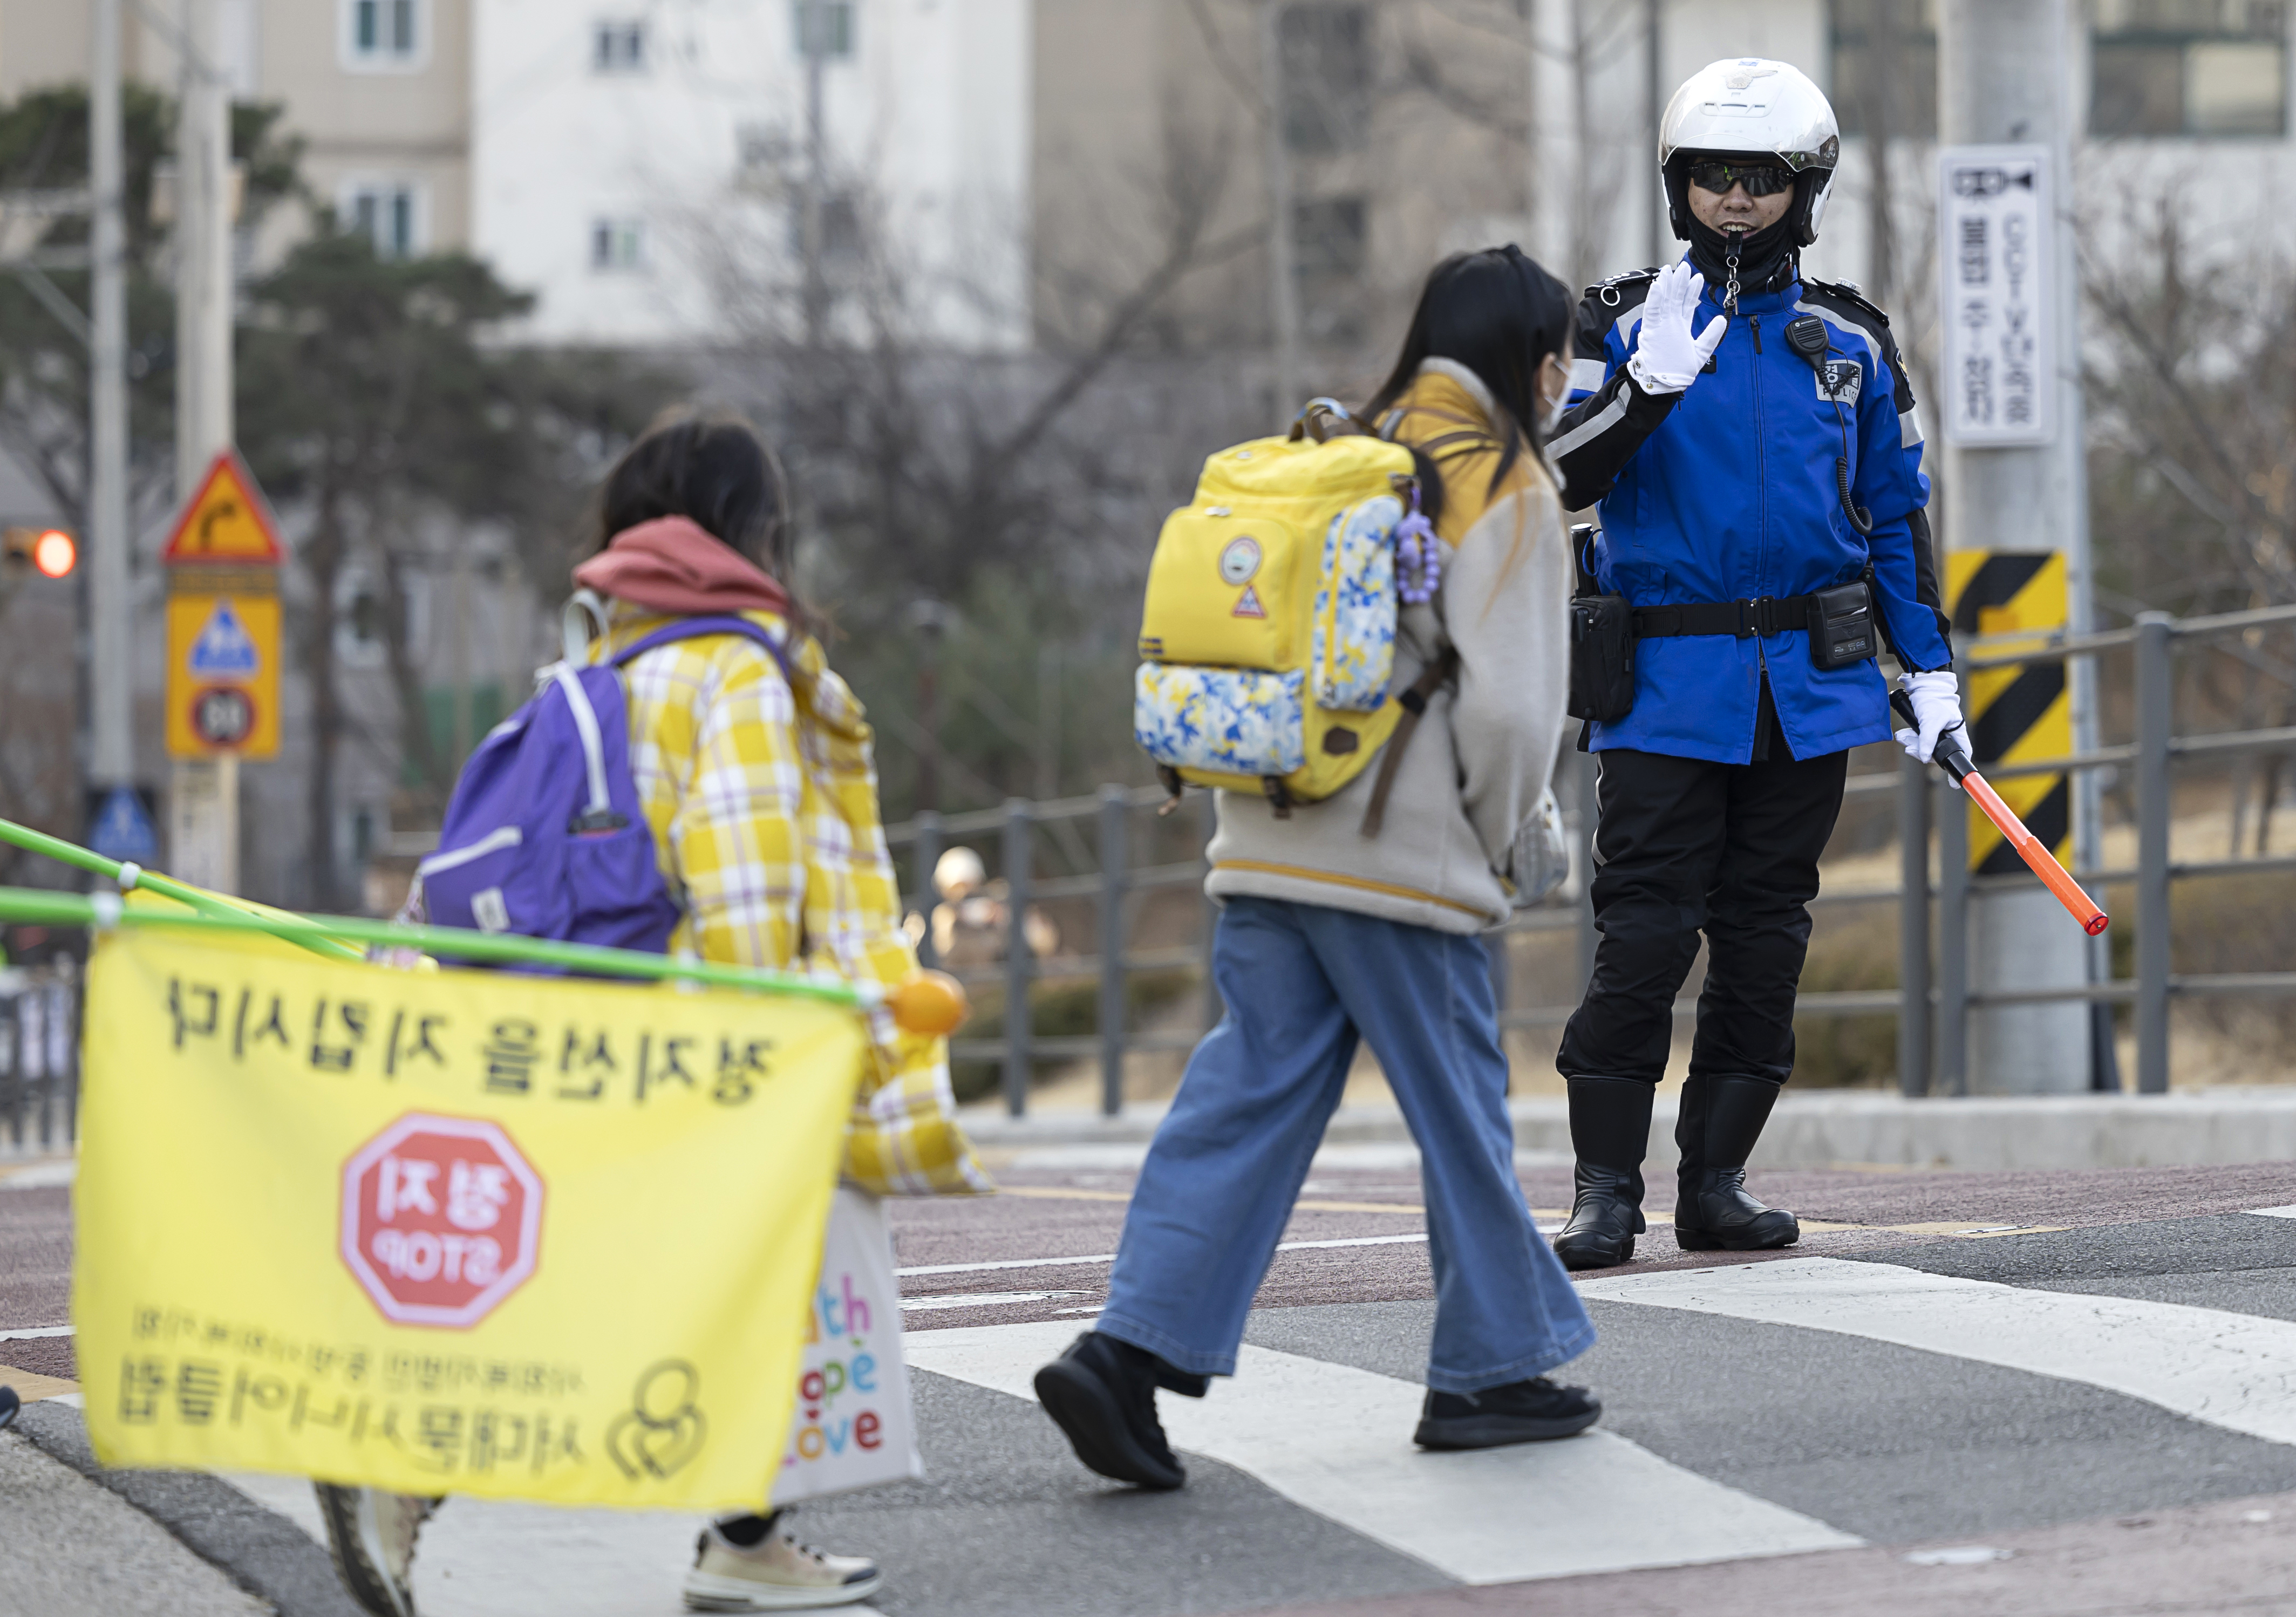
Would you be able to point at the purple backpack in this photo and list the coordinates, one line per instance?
(545, 835)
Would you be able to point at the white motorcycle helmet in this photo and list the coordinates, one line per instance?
(1750, 107)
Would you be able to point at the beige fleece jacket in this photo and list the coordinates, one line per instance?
(1473, 772)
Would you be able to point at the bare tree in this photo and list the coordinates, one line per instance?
(932, 474)
(2193, 414)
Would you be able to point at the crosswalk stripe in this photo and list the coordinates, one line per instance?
(1337, 1441)
(2227, 1369)
(1012, 1263)
(2274, 1212)
(510, 1557)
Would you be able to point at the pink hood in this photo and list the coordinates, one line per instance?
(672, 564)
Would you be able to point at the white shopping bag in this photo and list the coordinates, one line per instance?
(854, 1427)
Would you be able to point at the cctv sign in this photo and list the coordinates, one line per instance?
(1997, 302)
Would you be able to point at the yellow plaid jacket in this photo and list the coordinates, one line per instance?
(763, 803)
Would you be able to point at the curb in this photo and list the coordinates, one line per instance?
(1822, 1129)
(258, 1549)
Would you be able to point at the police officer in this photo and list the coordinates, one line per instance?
(1752, 442)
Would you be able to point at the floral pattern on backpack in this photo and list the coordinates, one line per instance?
(1237, 721)
(1353, 652)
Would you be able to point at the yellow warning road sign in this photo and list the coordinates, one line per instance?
(223, 675)
(225, 521)
(2020, 713)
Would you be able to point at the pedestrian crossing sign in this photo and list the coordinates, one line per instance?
(123, 830)
(223, 674)
(222, 647)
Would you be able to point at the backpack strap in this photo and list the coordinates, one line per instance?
(582, 622)
(694, 628)
(1415, 704)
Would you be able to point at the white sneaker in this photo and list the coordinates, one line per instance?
(372, 1535)
(776, 1574)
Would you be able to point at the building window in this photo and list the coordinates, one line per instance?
(619, 46)
(617, 244)
(822, 28)
(762, 150)
(389, 213)
(1330, 249)
(844, 236)
(2189, 67)
(383, 34)
(1885, 67)
(1326, 52)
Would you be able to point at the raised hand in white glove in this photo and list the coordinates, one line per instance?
(1668, 358)
(1937, 708)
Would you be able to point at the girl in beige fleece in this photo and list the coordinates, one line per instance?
(1328, 937)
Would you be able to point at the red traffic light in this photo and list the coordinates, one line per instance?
(50, 551)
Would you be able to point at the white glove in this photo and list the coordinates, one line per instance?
(1937, 708)
(1668, 358)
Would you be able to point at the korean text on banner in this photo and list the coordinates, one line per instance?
(854, 1427)
(451, 1232)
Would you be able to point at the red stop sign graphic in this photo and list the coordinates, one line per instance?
(442, 1220)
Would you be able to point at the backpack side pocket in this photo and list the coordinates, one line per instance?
(1352, 657)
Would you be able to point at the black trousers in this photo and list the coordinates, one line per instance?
(1682, 846)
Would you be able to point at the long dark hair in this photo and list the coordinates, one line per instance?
(713, 468)
(1500, 315)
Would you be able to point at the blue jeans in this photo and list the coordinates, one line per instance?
(1302, 983)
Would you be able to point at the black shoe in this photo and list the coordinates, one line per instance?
(1521, 1412)
(1721, 1120)
(1102, 1392)
(1610, 1131)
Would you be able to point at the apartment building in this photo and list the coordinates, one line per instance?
(1005, 167)
(378, 90)
(645, 166)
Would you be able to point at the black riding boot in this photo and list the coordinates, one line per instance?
(1609, 1131)
(1720, 1120)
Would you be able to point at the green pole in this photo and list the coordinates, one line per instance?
(151, 881)
(104, 911)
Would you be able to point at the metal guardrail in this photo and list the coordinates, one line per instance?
(39, 1058)
(1932, 1003)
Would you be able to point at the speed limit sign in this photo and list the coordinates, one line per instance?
(223, 716)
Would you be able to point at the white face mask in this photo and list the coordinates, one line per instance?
(1554, 411)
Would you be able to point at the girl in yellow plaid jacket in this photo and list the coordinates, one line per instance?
(761, 792)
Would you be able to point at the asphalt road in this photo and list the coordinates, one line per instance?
(2051, 1392)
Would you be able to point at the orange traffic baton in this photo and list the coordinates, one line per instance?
(1950, 757)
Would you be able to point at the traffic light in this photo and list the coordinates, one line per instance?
(50, 552)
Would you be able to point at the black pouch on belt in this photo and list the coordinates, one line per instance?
(1842, 626)
(1601, 642)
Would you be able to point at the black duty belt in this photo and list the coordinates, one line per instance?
(1766, 615)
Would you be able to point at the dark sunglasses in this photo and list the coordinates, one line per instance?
(1762, 180)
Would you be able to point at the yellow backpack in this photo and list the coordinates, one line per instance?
(1269, 634)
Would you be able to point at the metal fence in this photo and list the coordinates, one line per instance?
(1934, 998)
(40, 1057)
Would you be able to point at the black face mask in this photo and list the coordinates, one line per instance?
(1766, 258)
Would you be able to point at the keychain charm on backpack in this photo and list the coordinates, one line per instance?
(1418, 561)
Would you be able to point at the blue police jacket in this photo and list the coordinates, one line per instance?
(1728, 492)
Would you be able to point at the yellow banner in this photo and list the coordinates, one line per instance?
(450, 1232)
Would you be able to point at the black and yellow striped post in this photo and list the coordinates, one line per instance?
(2019, 712)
